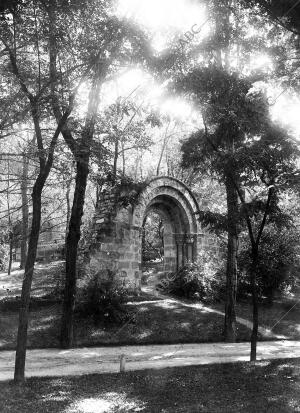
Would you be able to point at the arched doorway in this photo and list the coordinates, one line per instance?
(177, 206)
(119, 247)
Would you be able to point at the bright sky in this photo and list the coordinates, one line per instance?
(286, 110)
(142, 87)
(163, 14)
(167, 18)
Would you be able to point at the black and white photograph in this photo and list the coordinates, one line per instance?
(149, 206)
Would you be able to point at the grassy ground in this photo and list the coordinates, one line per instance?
(155, 320)
(240, 387)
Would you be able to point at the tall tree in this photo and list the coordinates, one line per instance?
(26, 68)
(229, 114)
(124, 129)
(101, 45)
(202, 68)
(264, 160)
(270, 169)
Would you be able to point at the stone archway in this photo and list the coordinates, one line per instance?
(117, 240)
(176, 205)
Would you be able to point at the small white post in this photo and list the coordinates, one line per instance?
(122, 363)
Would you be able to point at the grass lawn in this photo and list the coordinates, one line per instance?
(270, 386)
(155, 320)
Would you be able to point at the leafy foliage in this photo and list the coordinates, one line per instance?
(216, 221)
(283, 12)
(127, 190)
(279, 262)
(200, 280)
(103, 300)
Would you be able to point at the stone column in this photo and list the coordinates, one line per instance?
(179, 238)
(189, 247)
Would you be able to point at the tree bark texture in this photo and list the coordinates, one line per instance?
(68, 209)
(11, 246)
(81, 151)
(231, 270)
(254, 333)
(24, 229)
(73, 237)
(27, 281)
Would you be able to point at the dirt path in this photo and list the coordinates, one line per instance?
(55, 362)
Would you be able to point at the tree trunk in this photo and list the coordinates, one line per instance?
(254, 306)
(10, 226)
(81, 152)
(68, 209)
(24, 229)
(231, 270)
(66, 335)
(27, 281)
(11, 246)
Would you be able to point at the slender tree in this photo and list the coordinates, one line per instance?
(270, 163)
(18, 36)
(213, 85)
(229, 114)
(102, 43)
(265, 159)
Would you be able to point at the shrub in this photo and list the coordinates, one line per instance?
(103, 299)
(279, 263)
(202, 280)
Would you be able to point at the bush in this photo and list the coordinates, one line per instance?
(279, 263)
(103, 300)
(202, 280)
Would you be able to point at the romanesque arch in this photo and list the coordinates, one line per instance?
(117, 240)
(176, 205)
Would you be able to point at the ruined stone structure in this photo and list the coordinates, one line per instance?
(117, 231)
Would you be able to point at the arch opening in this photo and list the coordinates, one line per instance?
(153, 241)
(178, 239)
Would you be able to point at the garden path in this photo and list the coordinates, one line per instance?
(56, 362)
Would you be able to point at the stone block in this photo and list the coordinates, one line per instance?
(123, 264)
(129, 256)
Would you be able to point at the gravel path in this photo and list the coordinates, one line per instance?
(56, 362)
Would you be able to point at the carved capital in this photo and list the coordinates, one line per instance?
(190, 238)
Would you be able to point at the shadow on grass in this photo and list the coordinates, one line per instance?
(155, 320)
(270, 386)
(45, 278)
(43, 328)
